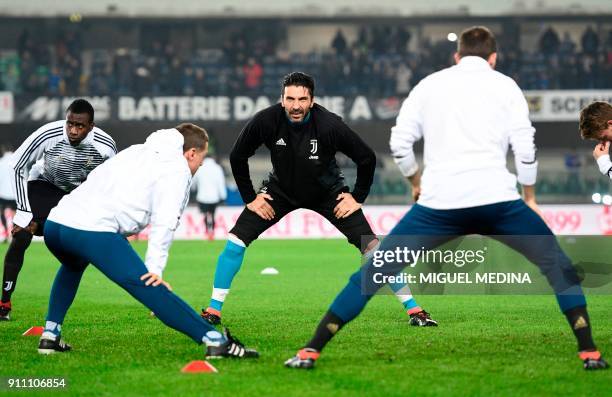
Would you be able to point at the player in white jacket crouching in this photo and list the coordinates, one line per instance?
(142, 185)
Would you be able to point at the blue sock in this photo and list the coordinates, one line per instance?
(228, 266)
(213, 338)
(410, 304)
(403, 293)
(52, 330)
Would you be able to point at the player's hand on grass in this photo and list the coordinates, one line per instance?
(346, 206)
(601, 149)
(31, 228)
(154, 280)
(261, 207)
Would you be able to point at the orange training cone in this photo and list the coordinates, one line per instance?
(34, 331)
(198, 366)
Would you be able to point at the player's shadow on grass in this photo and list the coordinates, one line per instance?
(594, 274)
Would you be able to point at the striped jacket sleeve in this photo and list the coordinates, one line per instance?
(106, 145)
(28, 153)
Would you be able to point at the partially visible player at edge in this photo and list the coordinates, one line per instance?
(143, 185)
(466, 187)
(50, 163)
(7, 193)
(596, 124)
(303, 139)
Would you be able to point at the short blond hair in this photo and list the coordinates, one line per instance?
(195, 136)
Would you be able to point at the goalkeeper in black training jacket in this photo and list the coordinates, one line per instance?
(303, 139)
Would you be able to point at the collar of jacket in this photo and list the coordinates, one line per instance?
(473, 63)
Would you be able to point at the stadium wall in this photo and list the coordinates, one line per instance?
(570, 220)
(305, 224)
(230, 8)
(129, 120)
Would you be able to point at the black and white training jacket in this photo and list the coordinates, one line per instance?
(48, 155)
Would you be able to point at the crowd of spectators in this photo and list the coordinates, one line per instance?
(379, 62)
(561, 63)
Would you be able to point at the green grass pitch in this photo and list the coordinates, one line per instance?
(485, 345)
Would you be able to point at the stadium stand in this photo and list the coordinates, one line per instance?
(108, 57)
(380, 61)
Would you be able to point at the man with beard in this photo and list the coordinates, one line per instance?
(303, 139)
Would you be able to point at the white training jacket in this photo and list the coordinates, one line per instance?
(143, 184)
(467, 115)
(209, 182)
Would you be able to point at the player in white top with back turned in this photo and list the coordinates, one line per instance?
(468, 116)
(143, 185)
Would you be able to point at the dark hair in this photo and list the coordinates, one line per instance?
(80, 106)
(298, 79)
(594, 118)
(476, 41)
(194, 136)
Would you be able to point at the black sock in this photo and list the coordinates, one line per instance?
(13, 261)
(327, 328)
(580, 323)
(210, 222)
